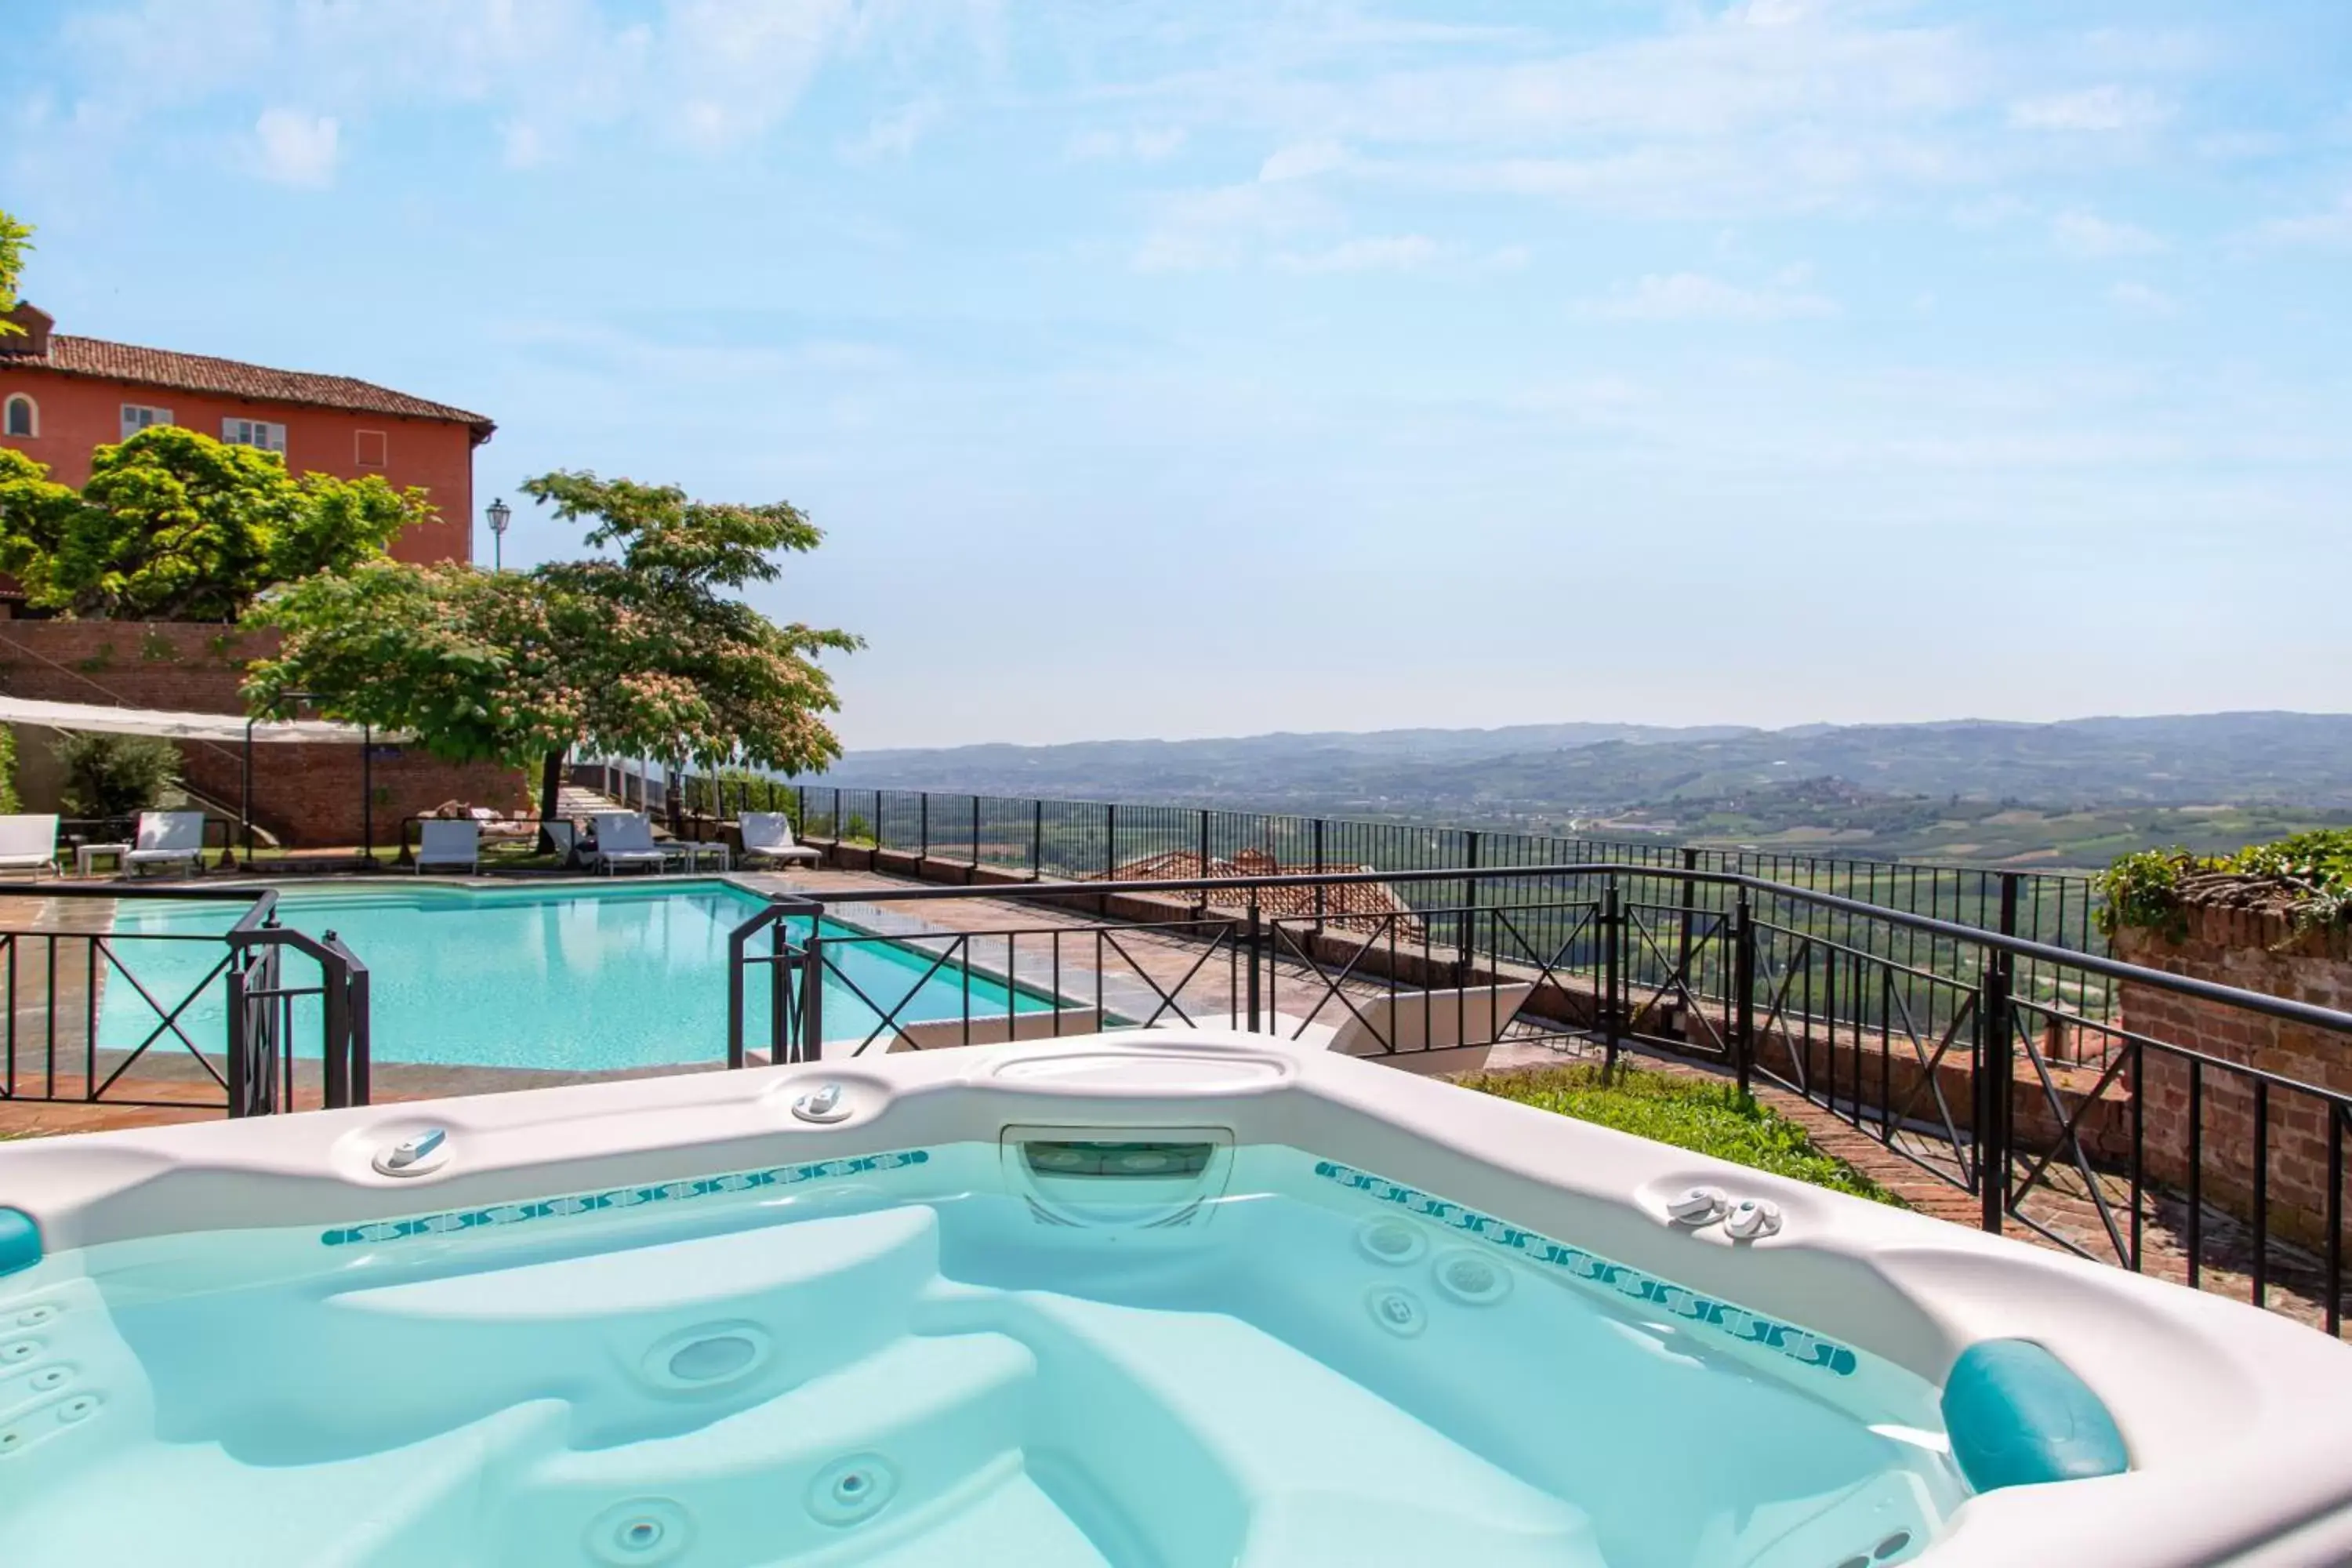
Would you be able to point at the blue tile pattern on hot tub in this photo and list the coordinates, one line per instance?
(1623, 1279)
(569, 1203)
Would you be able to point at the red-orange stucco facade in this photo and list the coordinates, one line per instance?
(62, 397)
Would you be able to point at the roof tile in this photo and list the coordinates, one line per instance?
(233, 378)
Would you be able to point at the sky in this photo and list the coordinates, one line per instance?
(1207, 368)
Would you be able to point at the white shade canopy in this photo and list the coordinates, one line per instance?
(227, 729)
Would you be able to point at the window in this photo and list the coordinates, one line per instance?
(23, 417)
(259, 433)
(369, 448)
(138, 416)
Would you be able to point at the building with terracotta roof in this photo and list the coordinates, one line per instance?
(1372, 909)
(62, 397)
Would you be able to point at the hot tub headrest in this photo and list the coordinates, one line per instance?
(2019, 1415)
(20, 1241)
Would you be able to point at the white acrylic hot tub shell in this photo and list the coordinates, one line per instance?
(2239, 1421)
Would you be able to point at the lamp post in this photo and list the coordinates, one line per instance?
(499, 514)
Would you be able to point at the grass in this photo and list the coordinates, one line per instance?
(1695, 1113)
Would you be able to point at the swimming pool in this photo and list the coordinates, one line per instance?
(564, 977)
(1163, 1300)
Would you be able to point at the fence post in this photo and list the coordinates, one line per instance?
(335, 1089)
(1682, 955)
(810, 1046)
(975, 833)
(1467, 927)
(1318, 872)
(1743, 991)
(923, 829)
(1995, 1064)
(735, 957)
(1611, 977)
(1111, 843)
(1254, 945)
(1037, 840)
(1201, 904)
(240, 1070)
(359, 1039)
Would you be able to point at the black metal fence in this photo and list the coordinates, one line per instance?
(1071, 839)
(1918, 1032)
(175, 1009)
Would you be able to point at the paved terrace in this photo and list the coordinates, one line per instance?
(1138, 971)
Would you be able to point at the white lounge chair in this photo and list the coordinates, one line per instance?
(768, 836)
(449, 843)
(624, 838)
(168, 838)
(28, 844)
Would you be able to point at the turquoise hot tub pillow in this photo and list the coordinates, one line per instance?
(2018, 1416)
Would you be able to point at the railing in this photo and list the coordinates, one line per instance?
(104, 1012)
(1043, 839)
(1920, 1033)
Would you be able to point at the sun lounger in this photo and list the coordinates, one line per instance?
(28, 843)
(768, 836)
(168, 838)
(450, 844)
(625, 839)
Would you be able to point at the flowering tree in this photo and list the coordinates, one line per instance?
(688, 671)
(640, 652)
(479, 666)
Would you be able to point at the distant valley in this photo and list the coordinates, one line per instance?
(2075, 793)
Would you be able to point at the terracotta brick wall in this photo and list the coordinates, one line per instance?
(306, 794)
(2257, 952)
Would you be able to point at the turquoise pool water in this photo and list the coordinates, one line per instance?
(890, 1360)
(567, 978)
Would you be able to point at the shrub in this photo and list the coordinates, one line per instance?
(116, 776)
(2313, 870)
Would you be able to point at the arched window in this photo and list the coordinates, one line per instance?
(23, 418)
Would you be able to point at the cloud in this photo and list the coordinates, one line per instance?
(297, 149)
(1391, 253)
(710, 76)
(1142, 145)
(1302, 161)
(2088, 237)
(2092, 109)
(1226, 226)
(2142, 301)
(1696, 297)
(2330, 227)
(894, 135)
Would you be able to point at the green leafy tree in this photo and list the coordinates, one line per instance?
(16, 238)
(8, 801)
(115, 775)
(173, 525)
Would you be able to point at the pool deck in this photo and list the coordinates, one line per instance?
(1136, 974)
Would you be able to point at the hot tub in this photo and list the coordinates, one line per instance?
(1158, 1300)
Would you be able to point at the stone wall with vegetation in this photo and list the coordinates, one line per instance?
(2256, 933)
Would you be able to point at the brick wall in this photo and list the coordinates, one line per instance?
(305, 794)
(2257, 952)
